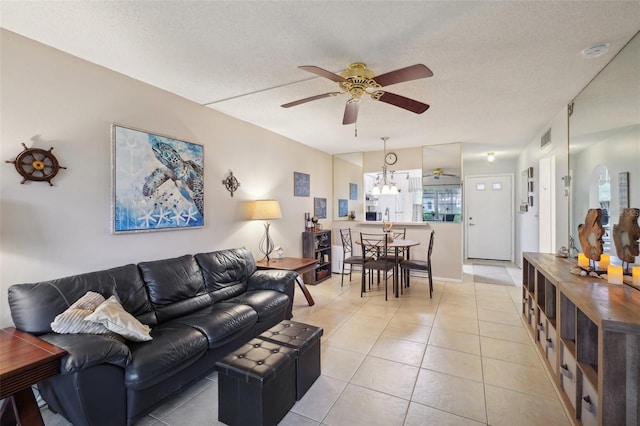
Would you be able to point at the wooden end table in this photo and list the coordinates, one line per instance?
(24, 361)
(296, 264)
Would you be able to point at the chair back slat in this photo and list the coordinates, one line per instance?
(374, 245)
(400, 234)
(433, 233)
(347, 242)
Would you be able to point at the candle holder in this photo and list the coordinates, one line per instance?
(615, 274)
(635, 275)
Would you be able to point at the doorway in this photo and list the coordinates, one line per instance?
(489, 216)
(546, 211)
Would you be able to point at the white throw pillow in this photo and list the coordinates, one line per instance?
(72, 321)
(112, 315)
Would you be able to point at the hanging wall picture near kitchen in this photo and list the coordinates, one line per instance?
(158, 182)
(343, 207)
(353, 191)
(301, 184)
(320, 208)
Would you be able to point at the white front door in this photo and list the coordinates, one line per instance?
(489, 217)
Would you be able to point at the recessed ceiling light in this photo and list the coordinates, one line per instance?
(595, 50)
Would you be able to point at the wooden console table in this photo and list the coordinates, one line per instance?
(24, 361)
(588, 333)
(296, 264)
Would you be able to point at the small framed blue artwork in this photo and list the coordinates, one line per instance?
(343, 207)
(353, 191)
(320, 208)
(301, 184)
(158, 182)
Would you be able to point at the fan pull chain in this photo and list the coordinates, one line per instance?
(355, 130)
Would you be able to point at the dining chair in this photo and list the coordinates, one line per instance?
(347, 254)
(419, 265)
(374, 249)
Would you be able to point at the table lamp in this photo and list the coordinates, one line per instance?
(266, 210)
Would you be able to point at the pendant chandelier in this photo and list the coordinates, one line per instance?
(382, 186)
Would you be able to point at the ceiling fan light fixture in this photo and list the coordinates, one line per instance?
(357, 80)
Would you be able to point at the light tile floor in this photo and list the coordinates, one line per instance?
(461, 358)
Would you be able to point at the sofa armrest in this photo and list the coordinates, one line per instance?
(271, 279)
(87, 350)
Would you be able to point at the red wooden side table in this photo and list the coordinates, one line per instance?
(24, 361)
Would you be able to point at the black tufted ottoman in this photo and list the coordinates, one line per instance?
(305, 339)
(256, 384)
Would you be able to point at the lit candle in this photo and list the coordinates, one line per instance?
(614, 273)
(635, 275)
(604, 261)
(583, 261)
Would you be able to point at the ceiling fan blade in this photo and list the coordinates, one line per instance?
(323, 73)
(309, 99)
(351, 112)
(402, 102)
(412, 72)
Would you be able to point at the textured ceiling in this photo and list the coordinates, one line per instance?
(502, 70)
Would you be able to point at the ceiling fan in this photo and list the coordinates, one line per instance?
(358, 80)
(437, 173)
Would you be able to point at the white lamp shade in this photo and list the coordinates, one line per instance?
(266, 209)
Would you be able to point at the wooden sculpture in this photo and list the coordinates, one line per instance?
(626, 234)
(590, 234)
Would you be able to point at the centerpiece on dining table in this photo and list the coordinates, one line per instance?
(386, 228)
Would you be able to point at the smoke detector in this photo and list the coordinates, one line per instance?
(595, 50)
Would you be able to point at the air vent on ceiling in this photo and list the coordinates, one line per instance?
(545, 139)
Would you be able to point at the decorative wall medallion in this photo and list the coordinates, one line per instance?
(231, 183)
(37, 164)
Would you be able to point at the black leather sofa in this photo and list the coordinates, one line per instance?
(199, 309)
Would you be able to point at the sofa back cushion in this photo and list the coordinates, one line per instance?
(175, 286)
(34, 306)
(226, 271)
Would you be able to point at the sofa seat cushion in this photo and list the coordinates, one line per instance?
(221, 322)
(268, 304)
(173, 348)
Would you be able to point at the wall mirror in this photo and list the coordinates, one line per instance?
(604, 144)
(441, 183)
(348, 187)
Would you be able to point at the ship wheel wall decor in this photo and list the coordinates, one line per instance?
(36, 164)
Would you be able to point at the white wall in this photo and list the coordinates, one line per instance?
(51, 99)
(527, 224)
(473, 167)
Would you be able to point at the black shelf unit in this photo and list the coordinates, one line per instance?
(317, 245)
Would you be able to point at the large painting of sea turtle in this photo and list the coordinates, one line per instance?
(158, 182)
